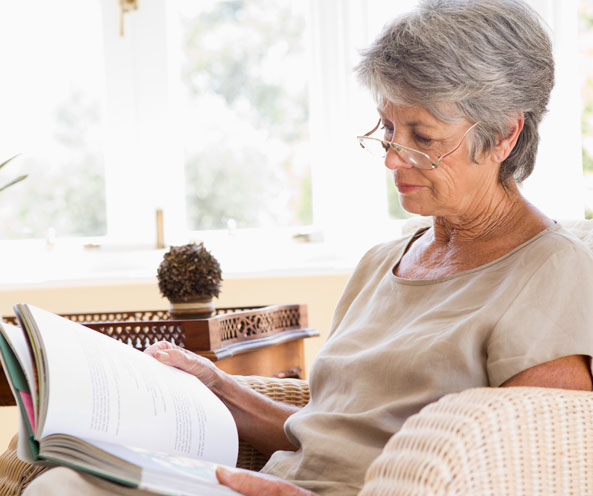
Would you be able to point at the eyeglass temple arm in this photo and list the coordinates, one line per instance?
(370, 132)
(373, 130)
(458, 144)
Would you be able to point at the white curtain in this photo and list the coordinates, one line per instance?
(556, 185)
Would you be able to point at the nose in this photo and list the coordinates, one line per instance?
(393, 161)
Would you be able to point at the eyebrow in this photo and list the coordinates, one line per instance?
(408, 123)
(418, 123)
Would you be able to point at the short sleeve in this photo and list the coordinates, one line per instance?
(550, 317)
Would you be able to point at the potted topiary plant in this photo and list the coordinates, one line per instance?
(189, 277)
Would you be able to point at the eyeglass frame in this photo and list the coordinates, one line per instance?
(396, 146)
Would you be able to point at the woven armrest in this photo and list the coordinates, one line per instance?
(292, 391)
(15, 474)
(519, 441)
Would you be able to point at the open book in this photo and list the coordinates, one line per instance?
(92, 403)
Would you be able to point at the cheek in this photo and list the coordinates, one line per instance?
(461, 183)
(444, 183)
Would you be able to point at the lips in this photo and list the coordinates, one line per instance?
(406, 187)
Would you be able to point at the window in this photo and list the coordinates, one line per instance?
(52, 114)
(245, 113)
(236, 118)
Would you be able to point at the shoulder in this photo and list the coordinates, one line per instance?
(546, 313)
(564, 246)
(555, 258)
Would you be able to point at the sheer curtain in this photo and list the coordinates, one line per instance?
(556, 185)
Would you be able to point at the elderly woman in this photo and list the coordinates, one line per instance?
(485, 296)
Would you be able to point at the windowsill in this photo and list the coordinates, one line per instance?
(59, 266)
(59, 269)
(246, 253)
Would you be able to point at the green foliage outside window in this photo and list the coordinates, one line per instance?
(65, 190)
(244, 160)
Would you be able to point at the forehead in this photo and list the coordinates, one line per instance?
(408, 115)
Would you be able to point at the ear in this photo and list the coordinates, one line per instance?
(505, 145)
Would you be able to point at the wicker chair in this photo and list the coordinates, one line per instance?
(485, 441)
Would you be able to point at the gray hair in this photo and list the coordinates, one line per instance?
(483, 60)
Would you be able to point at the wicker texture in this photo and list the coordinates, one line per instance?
(15, 475)
(292, 391)
(503, 441)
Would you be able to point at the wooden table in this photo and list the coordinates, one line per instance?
(267, 341)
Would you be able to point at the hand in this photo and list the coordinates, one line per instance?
(251, 483)
(175, 356)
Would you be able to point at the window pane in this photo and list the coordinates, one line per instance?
(245, 114)
(51, 101)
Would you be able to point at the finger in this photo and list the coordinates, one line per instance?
(153, 348)
(245, 483)
(163, 356)
(191, 363)
(182, 359)
(161, 345)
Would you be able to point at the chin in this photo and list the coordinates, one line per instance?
(414, 207)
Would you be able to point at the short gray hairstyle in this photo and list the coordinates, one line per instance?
(483, 60)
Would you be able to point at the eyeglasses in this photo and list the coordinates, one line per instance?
(416, 158)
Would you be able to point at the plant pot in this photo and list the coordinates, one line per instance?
(197, 307)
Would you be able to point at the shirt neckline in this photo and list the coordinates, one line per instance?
(420, 282)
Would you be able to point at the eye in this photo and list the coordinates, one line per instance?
(387, 131)
(422, 140)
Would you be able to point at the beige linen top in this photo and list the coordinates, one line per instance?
(396, 345)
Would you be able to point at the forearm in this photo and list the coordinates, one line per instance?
(260, 420)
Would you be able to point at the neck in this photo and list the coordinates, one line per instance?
(497, 213)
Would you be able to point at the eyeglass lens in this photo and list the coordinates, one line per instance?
(379, 149)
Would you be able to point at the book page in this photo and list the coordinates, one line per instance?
(171, 474)
(151, 470)
(100, 388)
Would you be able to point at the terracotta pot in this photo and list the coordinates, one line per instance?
(197, 307)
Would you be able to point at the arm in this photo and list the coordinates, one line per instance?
(569, 372)
(260, 420)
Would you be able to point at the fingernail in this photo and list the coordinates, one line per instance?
(222, 474)
(227, 471)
